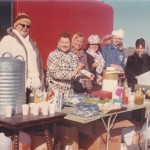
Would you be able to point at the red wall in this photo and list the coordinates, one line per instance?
(51, 17)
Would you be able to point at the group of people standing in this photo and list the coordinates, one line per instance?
(66, 62)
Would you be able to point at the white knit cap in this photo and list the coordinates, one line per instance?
(119, 33)
(94, 39)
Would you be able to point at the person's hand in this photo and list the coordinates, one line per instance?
(92, 77)
(118, 68)
(80, 66)
(77, 70)
(99, 78)
(113, 65)
(95, 65)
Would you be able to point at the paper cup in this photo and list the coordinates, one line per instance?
(41, 106)
(31, 107)
(45, 109)
(25, 109)
(52, 109)
(8, 111)
(35, 109)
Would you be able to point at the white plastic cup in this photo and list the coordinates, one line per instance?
(41, 106)
(31, 107)
(52, 108)
(45, 109)
(25, 109)
(8, 111)
(35, 109)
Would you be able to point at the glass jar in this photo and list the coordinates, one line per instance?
(139, 97)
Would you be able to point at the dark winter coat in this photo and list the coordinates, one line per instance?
(136, 66)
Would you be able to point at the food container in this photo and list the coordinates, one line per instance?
(117, 101)
(110, 80)
(85, 109)
(110, 76)
(139, 97)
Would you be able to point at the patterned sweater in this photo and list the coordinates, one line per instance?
(60, 66)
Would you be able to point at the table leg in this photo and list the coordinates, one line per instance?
(49, 140)
(109, 125)
(147, 122)
(16, 140)
(143, 116)
(54, 132)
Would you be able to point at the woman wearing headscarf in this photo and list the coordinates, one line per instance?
(95, 59)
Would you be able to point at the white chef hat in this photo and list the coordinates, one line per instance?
(94, 39)
(119, 33)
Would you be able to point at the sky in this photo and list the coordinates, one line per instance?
(133, 16)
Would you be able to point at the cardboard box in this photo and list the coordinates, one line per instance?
(67, 136)
(138, 138)
(96, 140)
(38, 142)
(138, 142)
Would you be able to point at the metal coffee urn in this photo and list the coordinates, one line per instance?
(12, 83)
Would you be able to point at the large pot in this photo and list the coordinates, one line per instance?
(12, 83)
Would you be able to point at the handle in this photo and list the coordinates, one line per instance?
(10, 54)
(20, 57)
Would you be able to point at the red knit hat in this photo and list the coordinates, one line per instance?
(22, 17)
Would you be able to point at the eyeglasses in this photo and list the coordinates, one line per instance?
(95, 44)
(24, 25)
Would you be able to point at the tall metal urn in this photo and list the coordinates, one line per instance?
(12, 83)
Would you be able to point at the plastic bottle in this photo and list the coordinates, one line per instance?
(58, 99)
(129, 95)
(125, 94)
(5, 142)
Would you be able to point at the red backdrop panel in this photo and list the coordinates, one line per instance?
(50, 18)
